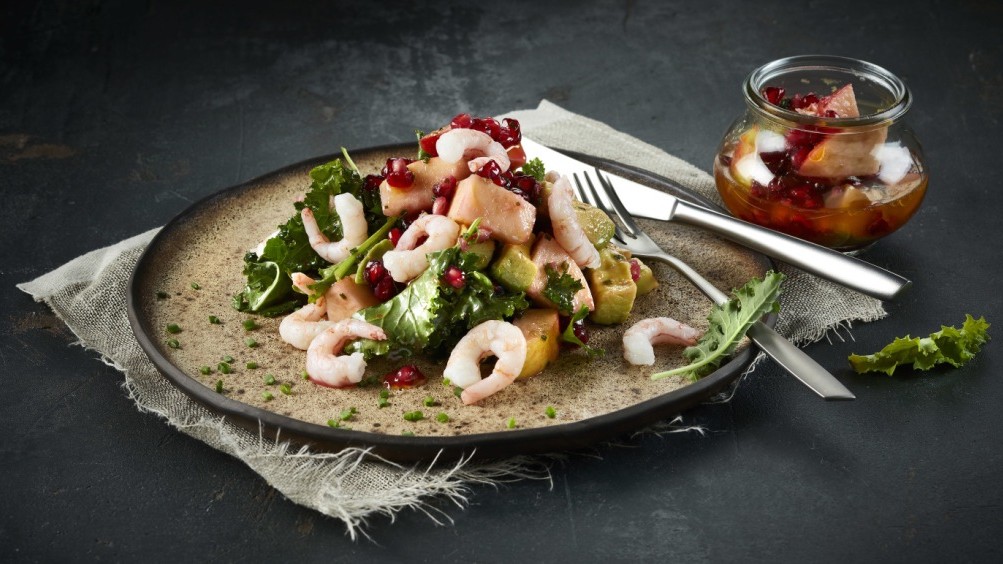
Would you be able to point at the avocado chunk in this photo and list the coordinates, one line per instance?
(612, 287)
(375, 253)
(598, 227)
(484, 250)
(514, 268)
(646, 281)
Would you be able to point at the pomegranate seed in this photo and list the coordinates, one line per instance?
(635, 270)
(878, 227)
(428, 141)
(831, 114)
(375, 272)
(455, 277)
(773, 94)
(397, 173)
(511, 133)
(461, 121)
(809, 99)
(581, 331)
(487, 125)
(776, 161)
(407, 376)
(492, 172)
(798, 156)
(445, 187)
(372, 182)
(385, 289)
(395, 235)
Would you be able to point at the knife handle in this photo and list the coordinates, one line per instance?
(816, 259)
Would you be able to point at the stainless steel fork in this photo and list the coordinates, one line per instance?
(635, 240)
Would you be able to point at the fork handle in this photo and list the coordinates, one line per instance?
(825, 263)
(791, 358)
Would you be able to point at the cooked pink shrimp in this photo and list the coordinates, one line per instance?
(353, 229)
(302, 326)
(475, 146)
(567, 230)
(498, 338)
(324, 363)
(407, 261)
(638, 340)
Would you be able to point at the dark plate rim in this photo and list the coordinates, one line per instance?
(398, 448)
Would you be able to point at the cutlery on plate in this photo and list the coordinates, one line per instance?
(642, 201)
(634, 239)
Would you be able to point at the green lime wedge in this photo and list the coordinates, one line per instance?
(276, 290)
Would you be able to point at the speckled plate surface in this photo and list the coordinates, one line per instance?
(193, 266)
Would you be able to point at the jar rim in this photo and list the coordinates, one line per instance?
(757, 79)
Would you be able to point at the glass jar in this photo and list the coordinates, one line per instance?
(822, 152)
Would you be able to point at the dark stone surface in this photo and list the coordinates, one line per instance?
(115, 116)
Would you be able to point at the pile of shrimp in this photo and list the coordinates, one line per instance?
(316, 328)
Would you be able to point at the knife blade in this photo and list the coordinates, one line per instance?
(644, 201)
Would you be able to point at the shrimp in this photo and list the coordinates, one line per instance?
(499, 338)
(325, 365)
(353, 228)
(409, 259)
(302, 326)
(567, 230)
(476, 146)
(638, 340)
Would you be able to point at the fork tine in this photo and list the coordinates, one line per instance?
(580, 190)
(618, 231)
(630, 227)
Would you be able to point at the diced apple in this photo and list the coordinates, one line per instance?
(542, 329)
(845, 154)
(548, 251)
(843, 102)
(418, 197)
(345, 297)
(848, 197)
(508, 216)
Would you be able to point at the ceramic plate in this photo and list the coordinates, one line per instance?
(193, 267)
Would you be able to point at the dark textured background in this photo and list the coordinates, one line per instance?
(115, 116)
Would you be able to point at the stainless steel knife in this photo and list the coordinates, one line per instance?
(644, 201)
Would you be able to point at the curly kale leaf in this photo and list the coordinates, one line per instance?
(950, 345)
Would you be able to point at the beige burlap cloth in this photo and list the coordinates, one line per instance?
(88, 294)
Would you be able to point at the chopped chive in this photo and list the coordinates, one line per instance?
(267, 396)
(414, 416)
(224, 367)
(383, 402)
(457, 391)
(384, 393)
(510, 423)
(407, 434)
(250, 342)
(429, 401)
(195, 286)
(214, 320)
(251, 365)
(551, 412)
(270, 379)
(228, 359)
(173, 328)
(446, 382)
(173, 343)
(206, 370)
(219, 386)
(333, 423)
(250, 324)
(347, 414)
(442, 418)
(162, 295)
(304, 375)
(286, 389)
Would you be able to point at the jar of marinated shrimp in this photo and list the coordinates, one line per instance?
(822, 152)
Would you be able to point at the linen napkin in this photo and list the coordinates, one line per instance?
(89, 295)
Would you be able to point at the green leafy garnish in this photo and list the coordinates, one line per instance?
(535, 169)
(728, 324)
(568, 336)
(422, 153)
(336, 272)
(561, 288)
(431, 315)
(950, 345)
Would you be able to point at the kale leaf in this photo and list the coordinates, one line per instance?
(561, 288)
